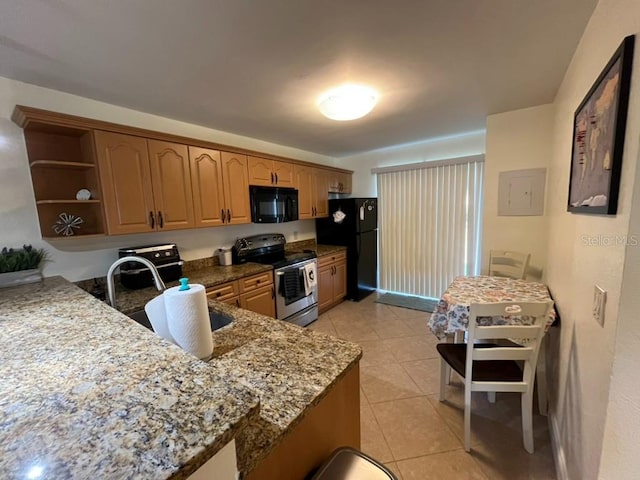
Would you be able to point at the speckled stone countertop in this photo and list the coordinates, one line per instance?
(89, 393)
(129, 301)
(323, 250)
(290, 368)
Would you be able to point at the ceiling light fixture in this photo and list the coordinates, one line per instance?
(347, 102)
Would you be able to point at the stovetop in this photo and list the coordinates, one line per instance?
(282, 259)
(268, 249)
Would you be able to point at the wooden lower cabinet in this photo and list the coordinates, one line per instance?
(255, 293)
(332, 423)
(332, 280)
(260, 301)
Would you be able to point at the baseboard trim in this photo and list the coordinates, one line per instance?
(556, 445)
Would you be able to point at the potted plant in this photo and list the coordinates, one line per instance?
(21, 265)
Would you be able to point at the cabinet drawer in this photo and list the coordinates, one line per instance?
(329, 259)
(248, 284)
(223, 292)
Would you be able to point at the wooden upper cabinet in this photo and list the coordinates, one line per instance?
(171, 180)
(208, 187)
(313, 192)
(339, 182)
(260, 171)
(270, 173)
(284, 174)
(305, 183)
(235, 177)
(125, 178)
(322, 192)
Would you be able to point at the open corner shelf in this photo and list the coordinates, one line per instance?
(65, 202)
(61, 164)
(76, 236)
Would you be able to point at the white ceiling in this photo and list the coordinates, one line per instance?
(256, 67)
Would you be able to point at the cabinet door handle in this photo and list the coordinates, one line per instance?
(238, 302)
(152, 220)
(228, 216)
(222, 215)
(272, 178)
(160, 221)
(276, 178)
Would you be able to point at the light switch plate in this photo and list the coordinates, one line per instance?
(599, 301)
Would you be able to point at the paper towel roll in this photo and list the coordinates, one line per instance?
(157, 314)
(188, 319)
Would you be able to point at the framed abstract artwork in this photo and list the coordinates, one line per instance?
(598, 137)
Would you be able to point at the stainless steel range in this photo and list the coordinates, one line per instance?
(294, 275)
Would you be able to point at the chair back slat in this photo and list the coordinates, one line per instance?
(502, 353)
(534, 309)
(505, 263)
(507, 331)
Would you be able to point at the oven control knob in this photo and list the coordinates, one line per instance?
(157, 255)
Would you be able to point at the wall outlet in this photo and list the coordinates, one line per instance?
(599, 300)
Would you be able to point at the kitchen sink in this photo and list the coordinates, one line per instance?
(218, 320)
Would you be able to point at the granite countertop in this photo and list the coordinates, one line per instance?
(323, 250)
(88, 393)
(76, 404)
(290, 368)
(129, 301)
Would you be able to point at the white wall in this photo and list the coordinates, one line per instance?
(515, 141)
(364, 182)
(582, 368)
(78, 259)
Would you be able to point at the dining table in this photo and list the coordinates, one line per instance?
(451, 315)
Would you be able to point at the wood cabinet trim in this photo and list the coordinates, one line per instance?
(33, 118)
(224, 291)
(248, 284)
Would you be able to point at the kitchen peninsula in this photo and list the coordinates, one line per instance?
(88, 393)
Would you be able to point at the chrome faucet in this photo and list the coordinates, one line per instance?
(110, 284)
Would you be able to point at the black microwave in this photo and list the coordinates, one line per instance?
(273, 204)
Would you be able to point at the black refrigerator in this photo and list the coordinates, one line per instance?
(353, 223)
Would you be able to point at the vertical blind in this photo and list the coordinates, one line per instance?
(430, 226)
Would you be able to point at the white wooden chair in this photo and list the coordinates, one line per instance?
(489, 367)
(504, 263)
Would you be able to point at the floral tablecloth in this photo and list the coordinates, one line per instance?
(452, 312)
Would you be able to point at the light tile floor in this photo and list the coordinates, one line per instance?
(406, 427)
